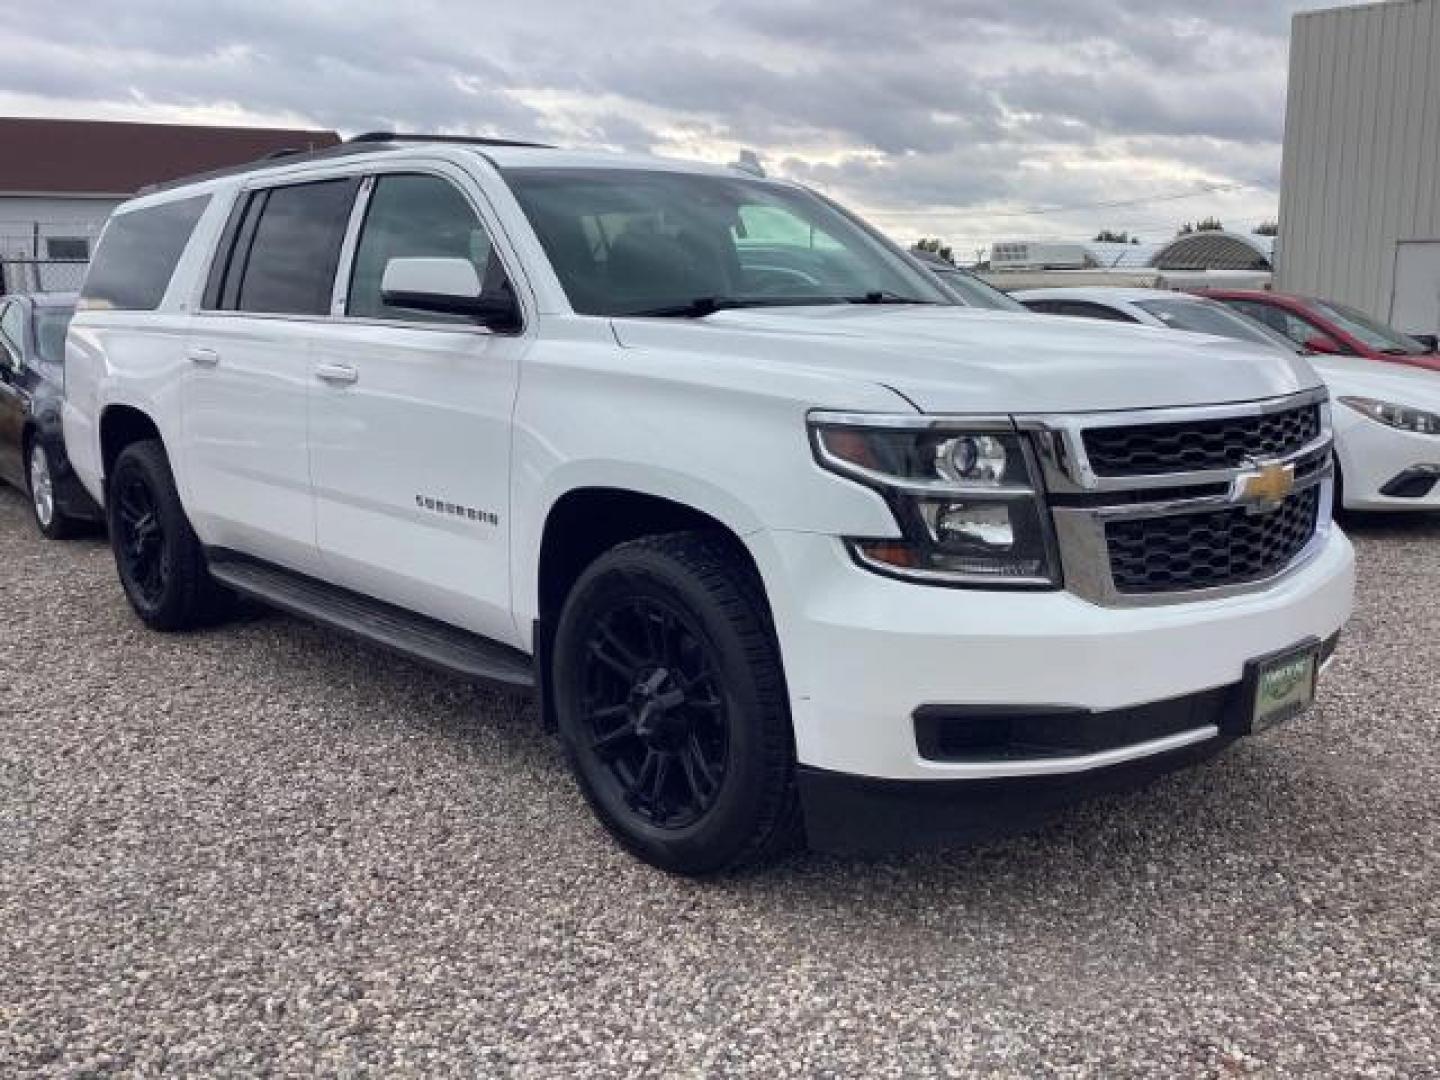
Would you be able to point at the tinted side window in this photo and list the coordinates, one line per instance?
(51, 324)
(1100, 311)
(412, 217)
(12, 325)
(137, 255)
(286, 266)
(12, 333)
(1084, 309)
(1296, 329)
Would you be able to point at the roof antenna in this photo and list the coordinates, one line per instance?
(749, 162)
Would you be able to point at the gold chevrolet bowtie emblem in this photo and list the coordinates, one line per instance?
(1269, 485)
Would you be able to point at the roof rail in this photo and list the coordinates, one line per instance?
(281, 157)
(473, 140)
(367, 143)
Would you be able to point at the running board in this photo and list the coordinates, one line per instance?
(429, 641)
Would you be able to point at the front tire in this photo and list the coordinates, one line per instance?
(671, 703)
(157, 554)
(53, 523)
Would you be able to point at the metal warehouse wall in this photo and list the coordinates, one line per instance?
(1362, 149)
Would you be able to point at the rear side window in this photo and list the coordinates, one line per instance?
(1083, 309)
(12, 335)
(280, 253)
(137, 255)
(1043, 307)
(51, 323)
(1278, 319)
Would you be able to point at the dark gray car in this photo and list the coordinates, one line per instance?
(32, 392)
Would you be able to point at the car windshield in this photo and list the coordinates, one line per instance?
(1367, 331)
(50, 326)
(977, 293)
(638, 241)
(1205, 317)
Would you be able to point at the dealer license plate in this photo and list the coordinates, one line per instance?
(1283, 685)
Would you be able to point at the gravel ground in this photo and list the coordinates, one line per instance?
(269, 849)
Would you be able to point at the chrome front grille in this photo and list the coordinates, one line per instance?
(1164, 506)
(1186, 446)
(1209, 549)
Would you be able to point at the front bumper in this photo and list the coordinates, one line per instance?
(1106, 752)
(1374, 459)
(847, 814)
(863, 653)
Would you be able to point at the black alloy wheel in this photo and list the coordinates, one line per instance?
(672, 706)
(653, 711)
(140, 545)
(160, 561)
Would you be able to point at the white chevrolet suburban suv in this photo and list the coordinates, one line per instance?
(790, 545)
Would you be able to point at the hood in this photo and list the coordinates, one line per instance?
(955, 360)
(1399, 384)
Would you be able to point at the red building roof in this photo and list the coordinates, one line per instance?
(103, 157)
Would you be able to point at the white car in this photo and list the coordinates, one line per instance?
(788, 542)
(1387, 417)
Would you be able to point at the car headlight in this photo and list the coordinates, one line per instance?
(964, 495)
(1396, 416)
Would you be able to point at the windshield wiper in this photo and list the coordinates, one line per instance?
(702, 306)
(708, 305)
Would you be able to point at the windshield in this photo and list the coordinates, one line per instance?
(977, 293)
(50, 326)
(1205, 317)
(1367, 331)
(633, 241)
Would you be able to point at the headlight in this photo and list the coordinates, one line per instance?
(1396, 416)
(963, 493)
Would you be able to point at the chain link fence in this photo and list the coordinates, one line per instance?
(48, 254)
(21, 275)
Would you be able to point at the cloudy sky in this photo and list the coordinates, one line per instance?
(968, 119)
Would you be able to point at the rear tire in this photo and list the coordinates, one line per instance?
(671, 704)
(157, 554)
(53, 523)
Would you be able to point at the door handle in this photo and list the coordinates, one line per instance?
(340, 374)
(206, 358)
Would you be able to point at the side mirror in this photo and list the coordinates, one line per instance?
(447, 286)
(1323, 343)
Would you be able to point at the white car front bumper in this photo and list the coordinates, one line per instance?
(1374, 457)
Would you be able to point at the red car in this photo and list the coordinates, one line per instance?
(1323, 326)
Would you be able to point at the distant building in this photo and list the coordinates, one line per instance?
(1360, 187)
(59, 179)
(1199, 258)
(1194, 251)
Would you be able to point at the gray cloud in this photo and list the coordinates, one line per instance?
(902, 106)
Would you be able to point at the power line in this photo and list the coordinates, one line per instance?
(1037, 211)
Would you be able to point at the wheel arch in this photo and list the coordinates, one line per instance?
(120, 426)
(585, 522)
(582, 524)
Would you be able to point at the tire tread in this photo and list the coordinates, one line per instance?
(195, 599)
(728, 579)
